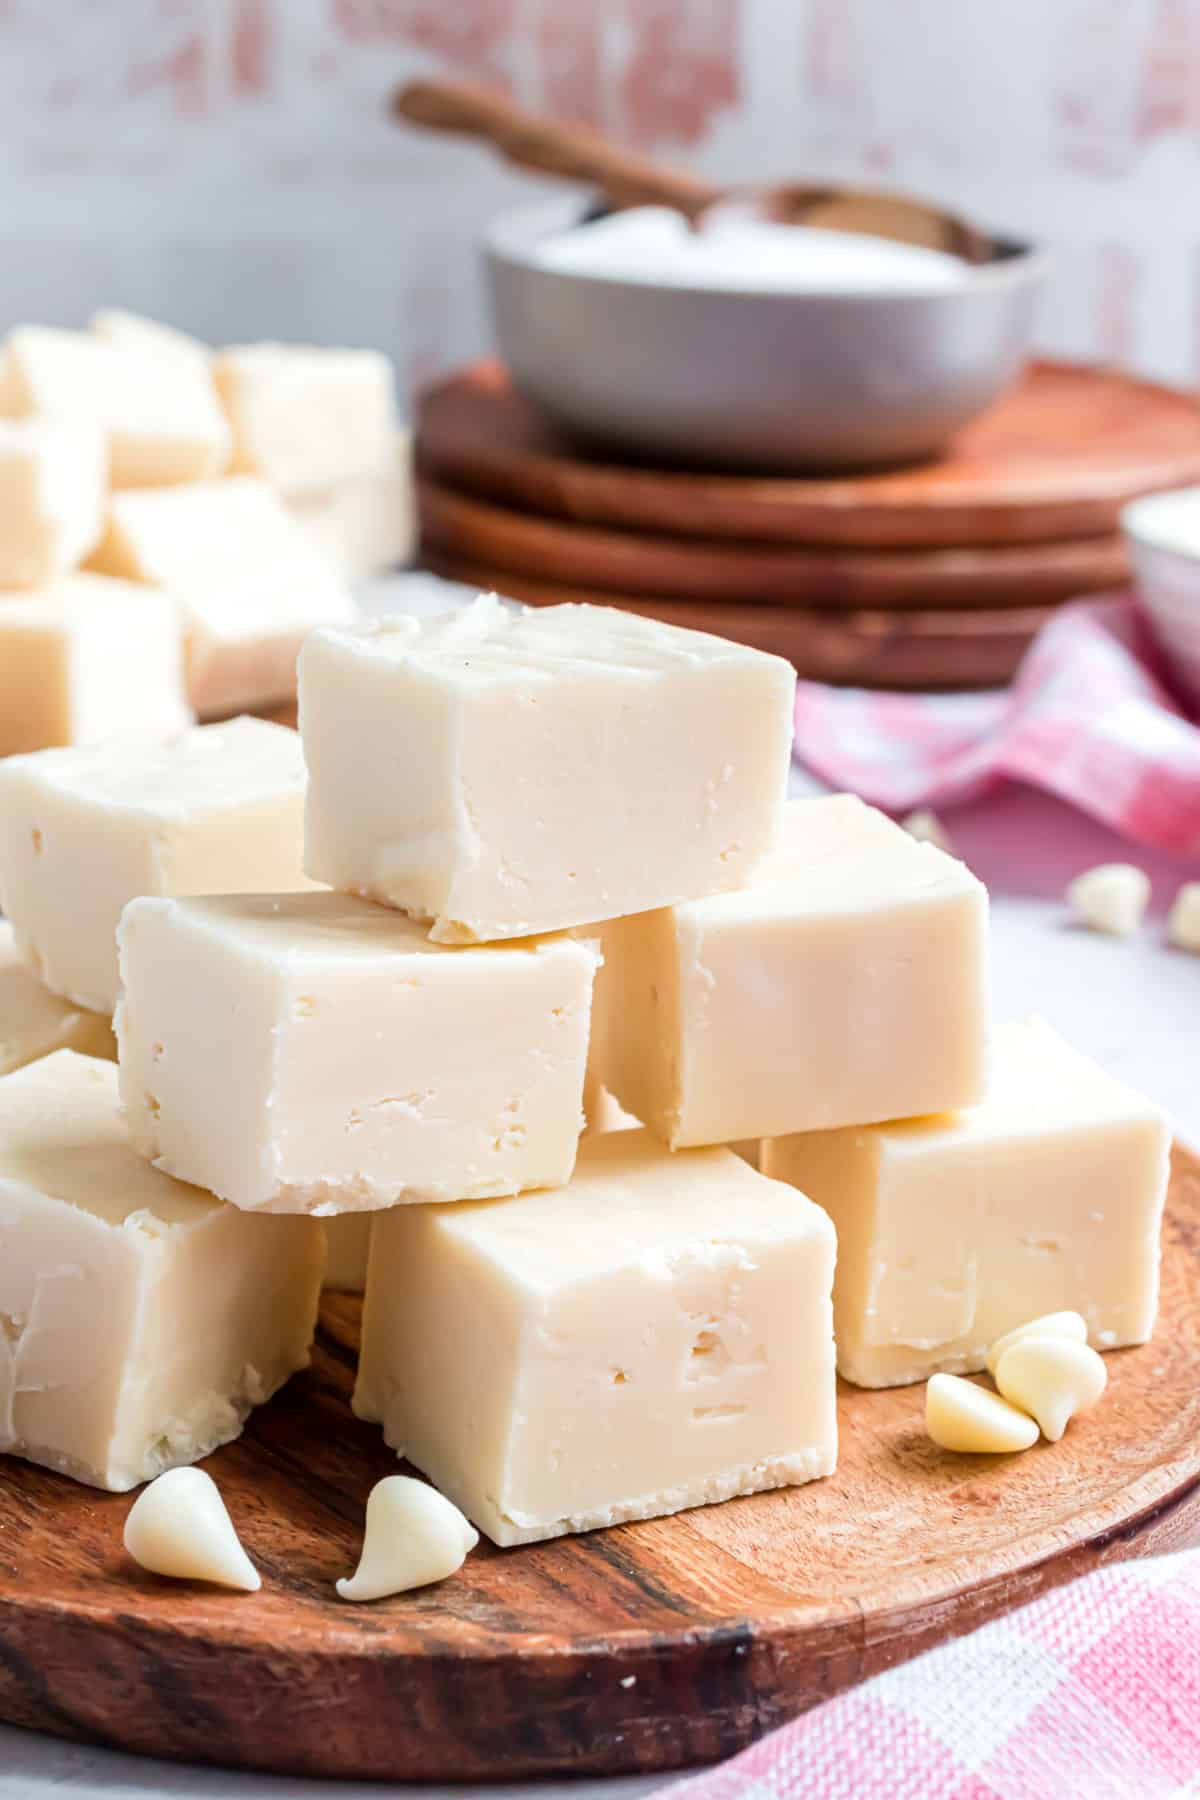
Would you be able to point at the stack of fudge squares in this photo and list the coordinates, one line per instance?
(174, 521)
(558, 859)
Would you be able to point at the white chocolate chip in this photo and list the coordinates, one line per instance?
(179, 1526)
(1071, 1325)
(961, 1416)
(1053, 1378)
(414, 1535)
(1183, 921)
(1112, 897)
(927, 828)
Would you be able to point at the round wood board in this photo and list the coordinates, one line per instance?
(641, 1648)
(835, 579)
(888, 649)
(1056, 457)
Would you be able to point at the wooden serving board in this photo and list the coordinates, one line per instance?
(835, 579)
(888, 649)
(641, 1648)
(1056, 457)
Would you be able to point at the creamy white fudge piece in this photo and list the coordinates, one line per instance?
(366, 523)
(34, 1022)
(248, 582)
(953, 1231)
(89, 661)
(84, 831)
(657, 1337)
(306, 417)
(129, 330)
(160, 353)
(155, 405)
(846, 982)
(347, 1247)
(315, 1053)
(53, 489)
(186, 537)
(244, 634)
(539, 768)
(140, 1320)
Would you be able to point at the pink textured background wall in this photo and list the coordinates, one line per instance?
(227, 163)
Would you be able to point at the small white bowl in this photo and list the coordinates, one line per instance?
(1163, 535)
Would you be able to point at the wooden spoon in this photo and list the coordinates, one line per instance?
(626, 178)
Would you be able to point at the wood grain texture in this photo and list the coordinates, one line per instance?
(1055, 458)
(829, 578)
(888, 649)
(729, 1619)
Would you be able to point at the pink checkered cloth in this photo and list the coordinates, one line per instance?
(1090, 1693)
(1089, 718)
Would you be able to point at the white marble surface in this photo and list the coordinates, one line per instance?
(1134, 1005)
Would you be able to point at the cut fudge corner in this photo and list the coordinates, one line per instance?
(656, 1337)
(162, 1262)
(484, 701)
(316, 1053)
(1046, 1196)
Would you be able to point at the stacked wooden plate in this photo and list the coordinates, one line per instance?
(935, 576)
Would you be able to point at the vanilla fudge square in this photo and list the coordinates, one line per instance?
(1047, 1197)
(656, 1337)
(845, 982)
(140, 1320)
(184, 538)
(246, 578)
(303, 416)
(244, 633)
(501, 771)
(180, 367)
(87, 661)
(155, 405)
(315, 1053)
(34, 1022)
(363, 524)
(84, 831)
(53, 488)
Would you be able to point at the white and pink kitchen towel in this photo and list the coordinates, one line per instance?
(1090, 1693)
(1090, 719)
(1093, 1691)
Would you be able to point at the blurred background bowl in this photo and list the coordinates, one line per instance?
(1163, 534)
(755, 380)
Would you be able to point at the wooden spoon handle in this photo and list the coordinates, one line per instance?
(551, 146)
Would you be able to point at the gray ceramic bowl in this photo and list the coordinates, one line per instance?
(764, 380)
